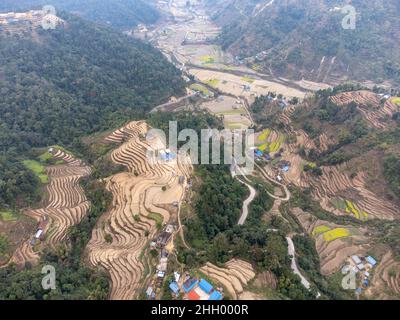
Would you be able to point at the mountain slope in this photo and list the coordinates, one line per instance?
(121, 14)
(60, 84)
(305, 39)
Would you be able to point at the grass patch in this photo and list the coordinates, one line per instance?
(207, 59)
(351, 208)
(7, 216)
(248, 79)
(37, 168)
(336, 234)
(233, 126)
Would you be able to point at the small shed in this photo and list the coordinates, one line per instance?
(174, 287)
(205, 286)
(371, 261)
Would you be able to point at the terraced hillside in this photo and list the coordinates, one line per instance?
(342, 150)
(334, 243)
(66, 205)
(306, 40)
(120, 238)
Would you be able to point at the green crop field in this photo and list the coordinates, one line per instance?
(7, 216)
(337, 233)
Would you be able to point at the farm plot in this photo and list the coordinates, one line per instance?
(120, 238)
(235, 275)
(38, 169)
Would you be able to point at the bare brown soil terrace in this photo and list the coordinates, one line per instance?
(234, 276)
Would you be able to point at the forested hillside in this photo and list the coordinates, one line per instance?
(305, 39)
(121, 14)
(58, 85)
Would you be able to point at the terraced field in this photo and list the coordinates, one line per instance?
(138, 194)
(270, 141)
(66, 205)
(386, 279)
(235, 275)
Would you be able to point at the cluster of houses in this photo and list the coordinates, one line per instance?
(194, 289)
(362, 266)
(160, 243)
(15, 21)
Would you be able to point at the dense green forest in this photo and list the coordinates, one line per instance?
(69, 82)
(120, 14)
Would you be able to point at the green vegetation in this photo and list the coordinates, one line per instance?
(38, 169)
(74, 281)
(45, 157)
(107, 79)
(7, 216)
(309, 263)
(320, 229)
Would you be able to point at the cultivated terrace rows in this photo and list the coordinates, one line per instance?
(121, 238)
